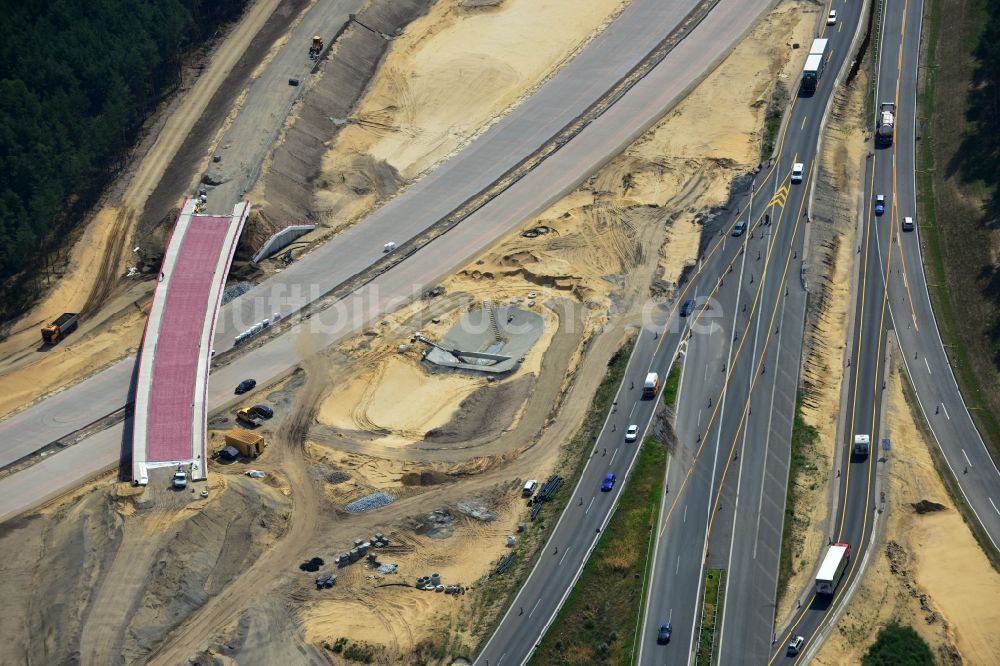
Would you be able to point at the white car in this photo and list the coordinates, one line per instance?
(797, 170)
(795, 645)
(832, 18)
(180, 479)
(632, 433)
(908, 224)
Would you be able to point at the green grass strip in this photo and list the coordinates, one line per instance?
(597, 624)
(673, 383)
(711, 609)
(502, 588)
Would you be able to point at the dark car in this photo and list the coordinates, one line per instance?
(739, 228)
(879, 204)
(663, 635)
(687, 307)
(245, 385)
(608, 483)
(263, 411)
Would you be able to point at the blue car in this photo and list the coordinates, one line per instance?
(879, 204)
(609, 482)
(687, 307)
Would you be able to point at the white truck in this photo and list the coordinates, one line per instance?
(886, 124)
(651, 386)
(862, 445)
(836, 559)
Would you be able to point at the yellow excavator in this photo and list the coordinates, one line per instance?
(316, 48)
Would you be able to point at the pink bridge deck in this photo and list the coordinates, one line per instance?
(170, 424)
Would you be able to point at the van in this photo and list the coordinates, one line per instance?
(529, 488)
(797, 170)
(739, 228)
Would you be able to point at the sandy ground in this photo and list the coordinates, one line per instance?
(446, 79)
(397, 617)
(929, 572)
(831, 243)
(630, 225)
(91, 351)
(628, 228)
(158, 554)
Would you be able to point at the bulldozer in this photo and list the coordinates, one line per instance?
(316, 48)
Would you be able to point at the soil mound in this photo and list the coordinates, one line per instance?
(927, 506)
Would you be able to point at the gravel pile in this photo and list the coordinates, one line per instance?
(477, 509)
(235, 291)
(369, 503)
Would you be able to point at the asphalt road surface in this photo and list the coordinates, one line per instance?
(603, 138)
(860, 496)
(735, 414)
(605, 60)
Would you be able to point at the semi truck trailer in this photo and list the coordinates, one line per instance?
(836, 559)
(813, 69)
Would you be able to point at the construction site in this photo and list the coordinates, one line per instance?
(365, 503)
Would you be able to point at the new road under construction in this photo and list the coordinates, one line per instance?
(372, 388)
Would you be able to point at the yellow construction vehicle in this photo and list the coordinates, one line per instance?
(65, 324)
(316, 48)
(249, 417)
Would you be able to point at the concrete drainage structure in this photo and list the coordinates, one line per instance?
(491, 339)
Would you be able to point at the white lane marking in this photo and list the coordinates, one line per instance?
(706, 370)
(634, 405)
(967, 461)
(535, 607)
(945, 410)
(699, 418)
(678, 567)
(589, 505)
(500, 660)
(767, 439)
(685, 514)
(928, 366)
(994, 505)
(561, 559)
(612, 457)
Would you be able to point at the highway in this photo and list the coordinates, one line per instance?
(894, 295)
(736, 409)
(859, 497)
(605, 136)
(606, 59)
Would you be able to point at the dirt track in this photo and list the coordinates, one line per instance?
(201, 626)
